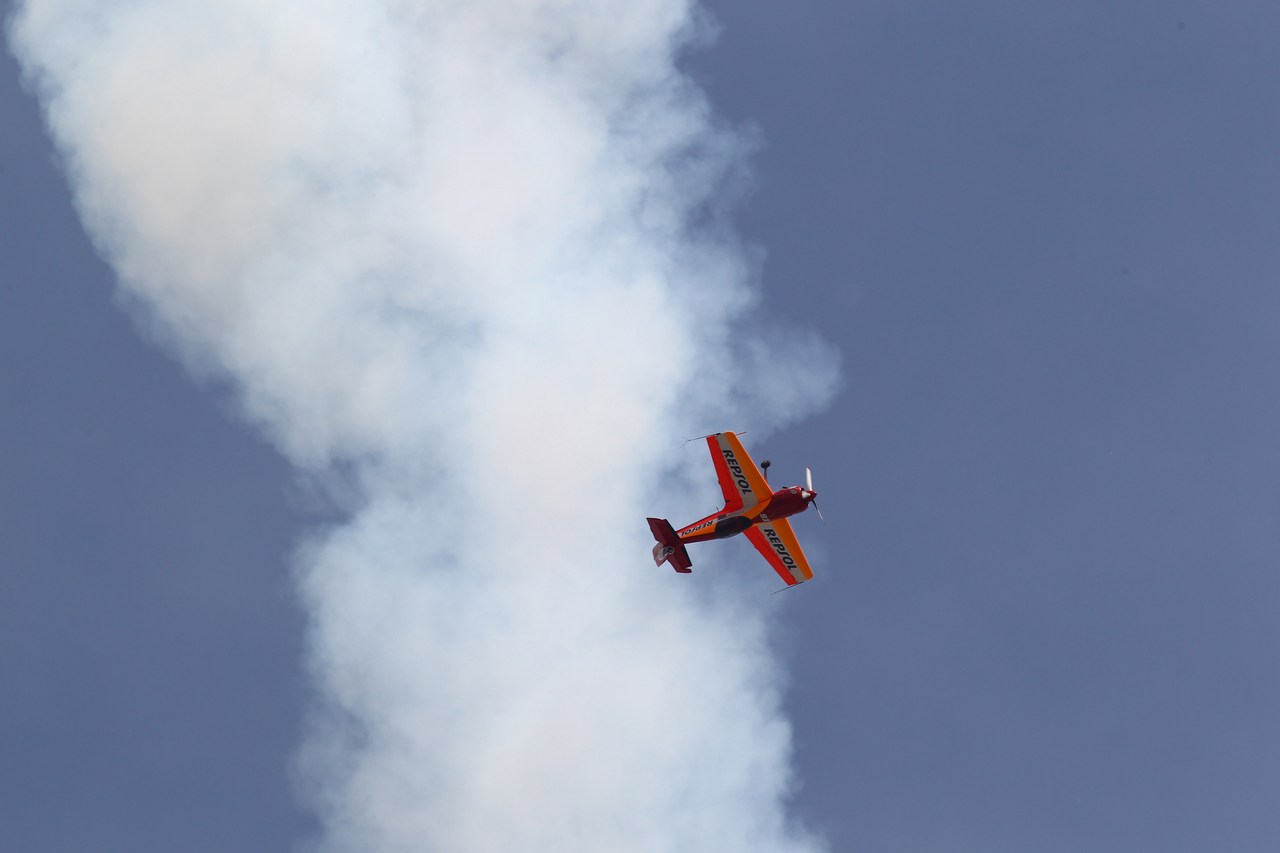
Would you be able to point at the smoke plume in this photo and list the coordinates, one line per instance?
(473, 257)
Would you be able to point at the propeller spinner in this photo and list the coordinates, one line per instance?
(809, 495)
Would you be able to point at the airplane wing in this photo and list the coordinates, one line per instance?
(777, 542)
(740, 479)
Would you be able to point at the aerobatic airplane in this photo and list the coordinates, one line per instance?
(750, 506)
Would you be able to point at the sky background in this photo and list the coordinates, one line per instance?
(1045, 614)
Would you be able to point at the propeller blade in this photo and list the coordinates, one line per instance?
(808, 477)
(815, 507)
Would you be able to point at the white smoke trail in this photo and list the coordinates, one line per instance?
(473, 253)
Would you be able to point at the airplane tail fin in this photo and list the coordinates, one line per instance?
(669, 548)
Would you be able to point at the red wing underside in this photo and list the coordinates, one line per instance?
(777, 542)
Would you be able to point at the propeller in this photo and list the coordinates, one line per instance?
(813, 496)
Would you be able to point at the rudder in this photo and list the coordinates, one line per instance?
(669, 548)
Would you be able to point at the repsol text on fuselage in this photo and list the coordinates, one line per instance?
(695, 528)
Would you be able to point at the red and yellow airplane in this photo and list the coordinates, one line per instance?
(750, 506)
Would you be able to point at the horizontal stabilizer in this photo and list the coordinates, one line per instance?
(669, 548)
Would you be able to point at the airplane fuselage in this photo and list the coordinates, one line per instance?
(751, 507)
(721, 525)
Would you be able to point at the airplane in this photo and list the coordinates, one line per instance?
(750, 506)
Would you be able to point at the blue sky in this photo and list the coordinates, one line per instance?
(1042, 240)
